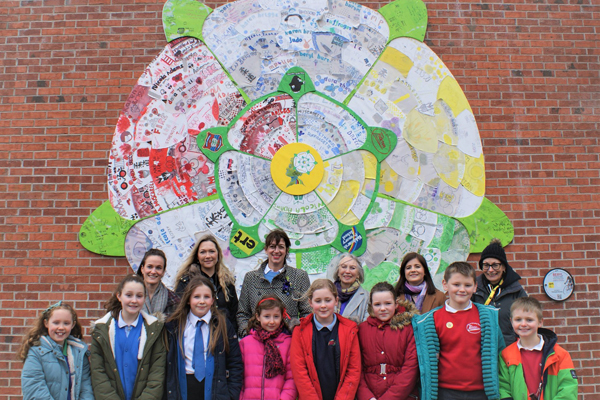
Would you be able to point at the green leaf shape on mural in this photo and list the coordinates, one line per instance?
(487, 223)
(104, 231)
(184, 18)
(406, 18)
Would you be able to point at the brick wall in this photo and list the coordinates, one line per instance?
(531, 71)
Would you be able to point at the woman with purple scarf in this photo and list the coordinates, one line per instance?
(347, 274)
(415, 284)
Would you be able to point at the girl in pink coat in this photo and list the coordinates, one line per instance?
(266, 354)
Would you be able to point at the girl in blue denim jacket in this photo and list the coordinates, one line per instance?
(56, 364)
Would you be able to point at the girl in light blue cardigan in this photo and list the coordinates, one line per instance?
(55, 358)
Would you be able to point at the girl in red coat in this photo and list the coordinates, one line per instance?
(389, 356)
(266, 354)
(325, 350)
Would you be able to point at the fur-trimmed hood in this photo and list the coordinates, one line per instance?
(405, 311)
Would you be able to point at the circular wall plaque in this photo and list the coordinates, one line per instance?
(558, 284)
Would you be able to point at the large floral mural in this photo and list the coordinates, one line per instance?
(324, 118)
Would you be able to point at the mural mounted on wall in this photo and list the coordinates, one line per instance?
(324, 118)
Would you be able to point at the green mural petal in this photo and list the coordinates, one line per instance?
(104, 231)
(184, 18)
(406, 18)
(486, 223)
(384, 272)
(315, 260)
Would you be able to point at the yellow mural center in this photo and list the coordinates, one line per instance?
(297, 169)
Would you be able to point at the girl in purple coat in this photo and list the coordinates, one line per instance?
(266, 354)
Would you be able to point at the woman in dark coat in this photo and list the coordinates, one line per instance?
(498, 286)
(206, 259)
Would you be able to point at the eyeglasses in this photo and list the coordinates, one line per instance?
(494, 266)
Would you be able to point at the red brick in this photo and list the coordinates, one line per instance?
(529, 70)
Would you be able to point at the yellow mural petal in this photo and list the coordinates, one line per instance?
(341, 203)
(453, 95)
(474, 178)
(370, 163)
(443, 122)
(387, 180)
(397, 60)
(419, 131)
(449, 162)
(350, 219)
(332, 179)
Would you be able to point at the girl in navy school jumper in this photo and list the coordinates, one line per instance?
(204, 358)
(56, 358)
(128, 353)
(325, 354)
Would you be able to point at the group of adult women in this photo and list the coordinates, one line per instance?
(498, 286)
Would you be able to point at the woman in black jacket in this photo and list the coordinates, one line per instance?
(498, 286)
(206, 259)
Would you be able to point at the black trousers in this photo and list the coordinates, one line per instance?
(195, 389)
(449, 394)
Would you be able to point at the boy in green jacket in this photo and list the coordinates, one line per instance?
(535, 367)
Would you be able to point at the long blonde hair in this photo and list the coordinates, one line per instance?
(39, 329)
(224, 275)
(218, 322)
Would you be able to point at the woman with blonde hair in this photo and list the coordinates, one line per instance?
(206, 259)
(347, 273)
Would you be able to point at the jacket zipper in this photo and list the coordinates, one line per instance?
(262, 382)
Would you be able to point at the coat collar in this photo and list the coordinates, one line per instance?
(406, 310)
(355, 301)
(111, 324)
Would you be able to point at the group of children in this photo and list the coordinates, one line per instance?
(457, 350)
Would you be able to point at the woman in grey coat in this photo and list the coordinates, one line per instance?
(348, 274)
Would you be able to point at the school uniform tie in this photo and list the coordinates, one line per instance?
(198, 361)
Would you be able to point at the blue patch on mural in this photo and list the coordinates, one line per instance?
(351, 240)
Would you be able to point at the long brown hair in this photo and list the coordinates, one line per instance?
(402, 280)
(267, 302)
(188, 267)
(39, 329)
(218, 322)
(113, 305)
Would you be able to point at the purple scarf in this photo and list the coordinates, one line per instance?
(346, 294)
(419, 291)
